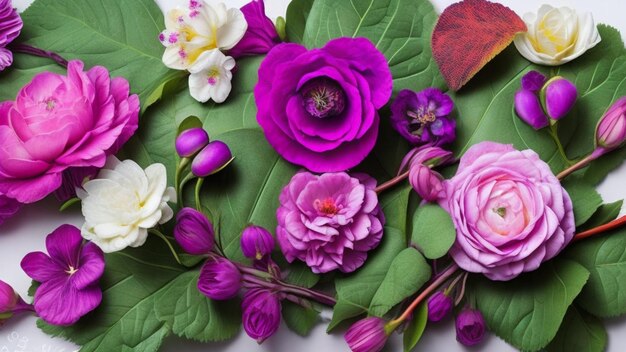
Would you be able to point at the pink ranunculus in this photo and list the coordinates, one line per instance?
(62, 121)
(510, 211)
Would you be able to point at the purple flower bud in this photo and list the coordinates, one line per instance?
(426, 182)
(560, 97)
(256, 242)
(191, 141)
(470, 327)
(428, 155)
(611, 129)
(261, 35)
(528, 108)
(213, 158)
(439, 306)
(219, 279)
(533, 81)
(367, 335)
(8, 300)
(194, 232)
(261, 314)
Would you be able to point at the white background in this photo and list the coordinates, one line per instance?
(27, 231)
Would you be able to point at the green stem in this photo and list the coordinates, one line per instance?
(182, 164)
(197, 193)
(169, 244)
(68, 203)
(553, 131)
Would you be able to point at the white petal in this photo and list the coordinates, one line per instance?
(221, 90)
(233, 30)
(199, 88)
(167, 213)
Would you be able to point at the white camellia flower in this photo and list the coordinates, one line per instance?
(210, 77)
(123, 202)
(556, 35)
(199, 28)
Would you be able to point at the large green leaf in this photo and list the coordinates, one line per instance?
(585, 198)
(297, 14)
(580, 331)
(22, 70)
(605, 213)
(605, 258)
(299, 319)
(433, 231)
(527, 311)
(415, 330)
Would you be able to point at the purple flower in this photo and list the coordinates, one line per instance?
(560, 97)
(261, 314)
(73, 179)
(261, 35)
(428, 155)
(8, 208)
(422, 117)
(533, 81)
(212, 159)
(8, 300)
(318, 108)
(611, 129)
(439, 306)
(256, 242)
(194, 232)
(68, 274)
(367, 335)
(470, 327)
(329, 221)
(10, 27)
(529, 109)
(426, 182)
(191, 141)
(219, 279)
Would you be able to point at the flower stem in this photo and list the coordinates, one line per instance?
(394, 181)
(179, 170)
(445, 275)
(31, 50)
(619, 222)
(553, 132)
(197, 193)
(582, 163)
(169, 244)
(68, 203)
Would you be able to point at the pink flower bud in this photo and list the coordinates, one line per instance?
(213, 158)
(256, 242)
(219, 279)
(428, 155)
(560, 97)
(261, 314)
(529, 109)
(194, 232)
(426, 182)
(8, 300)
(191, 141)
(470, 327)
(367, 335)
(611, 129)
(439, 306)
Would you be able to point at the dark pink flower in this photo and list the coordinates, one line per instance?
(439, 306)
(256, 242)
(261, 35)
(470, 327)
(68, 274)
(367, 335)
(10, 27)
(611, 129)
(219, 279)
(329, 221)
(261, 314)
(194, 232)
(59, 122)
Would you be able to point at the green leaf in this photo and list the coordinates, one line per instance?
(416, 328)
(605, 213)
(356, 291)
(299, 319)
(433, 231)
(406, 275)
(605, 258)
(585, 198)
(23, 69)
(119, 35)
(297, 14)
(527, 311)
(301, 275)
(188, 123)
(580, 331)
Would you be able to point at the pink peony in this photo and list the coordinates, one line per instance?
(59, 122)
(510, 211)
(329, 221)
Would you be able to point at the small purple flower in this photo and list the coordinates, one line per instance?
(8, 208)
(329, 221)
(68, 274)
(529, 109)
(423, 117)
(8, 299)
(611, 129)
(191, 141)
(470, 327)
(560, 97)
(439, 306)
(194, 232)
(261, 314)
(261, 35)
(426, 182)
(428, 155)
(533, 81)
(256, 242)
(212, 159)
(10, 27)
(73, 179)
(219, 279)
(367, 335)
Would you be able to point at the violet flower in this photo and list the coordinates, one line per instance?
(68, 274)
(529, 109)
(423, 117)
(367, 335)
(219, 279)
(560, 97)
(8, 208)
(194, 232)
(191, 141)
(212, 159)
(261, 35)
(470, 327)
(261, 313)
(256, 242)
(10, 27)
(439, 306)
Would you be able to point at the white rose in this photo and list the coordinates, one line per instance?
(556, 35)
(198, 28)
(123, 202)
(210, 77)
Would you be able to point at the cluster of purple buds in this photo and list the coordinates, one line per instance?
(420, 163)
(541, 101)
(208, 157)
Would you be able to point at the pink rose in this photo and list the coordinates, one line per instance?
(59, 122)
(510, 211)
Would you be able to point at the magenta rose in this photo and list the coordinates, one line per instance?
(329, 221)
(510, 211)
(59, 122)
(318, 108)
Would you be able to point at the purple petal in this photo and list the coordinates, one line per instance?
(39, 267)
(90, 267)
(6, 58)
(533, 81)
(58, 302)
(529, 109)
(64, 245)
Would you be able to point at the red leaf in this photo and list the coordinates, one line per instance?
(469, 34)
